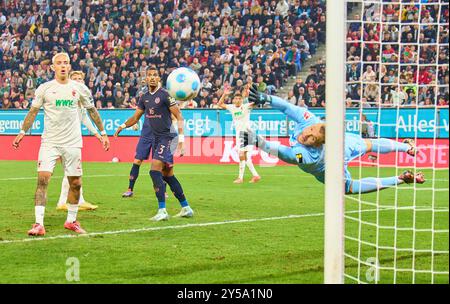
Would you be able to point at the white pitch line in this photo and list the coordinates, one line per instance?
(65, 236)
(72, 236)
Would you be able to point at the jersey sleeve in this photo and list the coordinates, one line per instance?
(86, 98)
(141, 104)
(170, 101)
(229, 107)
(298, 114)
(38, 100)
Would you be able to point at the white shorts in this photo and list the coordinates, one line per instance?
(240, 144)
(70, 159)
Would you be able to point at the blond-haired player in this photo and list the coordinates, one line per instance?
(241, 120)
(82, 205)
(61, 138)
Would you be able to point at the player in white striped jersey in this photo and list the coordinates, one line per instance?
(82, 205)
(241, 119)
(61, 138)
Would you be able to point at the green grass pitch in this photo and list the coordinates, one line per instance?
(248, 236)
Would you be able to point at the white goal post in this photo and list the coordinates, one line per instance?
(387, 71)
(334, 144)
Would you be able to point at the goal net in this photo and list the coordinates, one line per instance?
(396, 87)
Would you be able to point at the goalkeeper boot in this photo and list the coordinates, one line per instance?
(420, 177)
(162, 215)
(185, 212)
(37, 230)
(87, 206)
(412, 144)
(409, 177)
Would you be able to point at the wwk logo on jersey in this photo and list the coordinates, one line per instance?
(64, 103)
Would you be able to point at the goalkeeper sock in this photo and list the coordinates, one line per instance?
(384, 145)
(241, 169)
(160, 187)
(177, 190)
(251, 167)
(134, 173)
(64, 191)
(372, 184)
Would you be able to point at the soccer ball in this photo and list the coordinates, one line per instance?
(183, 84)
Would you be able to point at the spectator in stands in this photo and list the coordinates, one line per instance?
(291, 97)
(443, 101)
(293, 60)
(298, 84)
(262, 86)
(115, 43)
(369, 75)
(349, 103)
(6, 104)
(367, 130)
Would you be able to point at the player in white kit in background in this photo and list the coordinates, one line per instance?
(61, 138)
(241, 119)
(62, 202)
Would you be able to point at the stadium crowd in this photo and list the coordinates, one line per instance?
(398, 64)
(226, 42)
(114, 42)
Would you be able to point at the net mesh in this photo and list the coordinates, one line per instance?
(397, 87)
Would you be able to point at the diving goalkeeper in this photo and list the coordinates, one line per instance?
(307, 151)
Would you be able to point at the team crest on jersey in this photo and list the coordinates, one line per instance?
(299, 157)
(157, 100)
(306, 115)
(74, 93)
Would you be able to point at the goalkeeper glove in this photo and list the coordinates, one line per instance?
(250, 138)
(258, 98)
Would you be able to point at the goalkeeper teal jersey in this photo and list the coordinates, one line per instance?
(309, 159)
